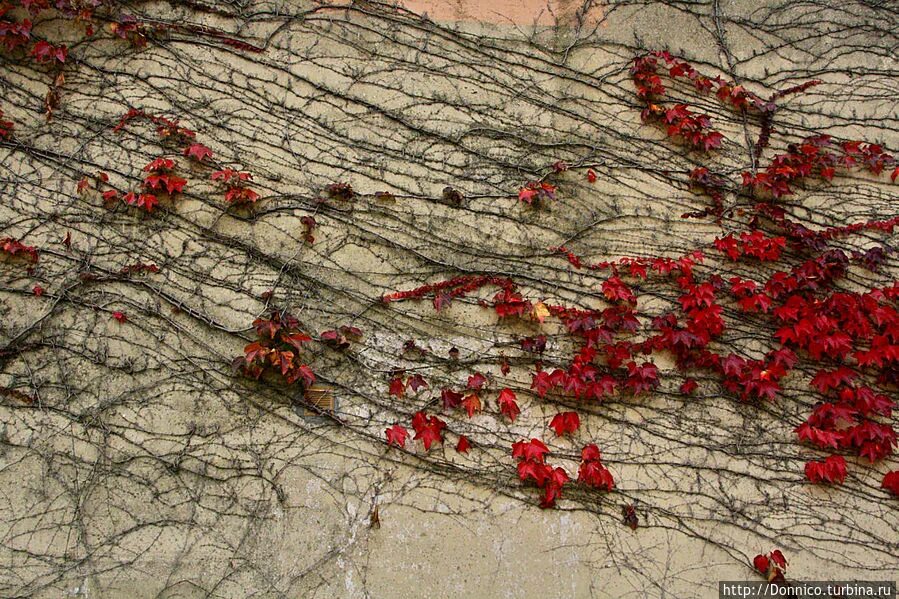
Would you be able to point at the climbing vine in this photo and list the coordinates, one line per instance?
(555, 311)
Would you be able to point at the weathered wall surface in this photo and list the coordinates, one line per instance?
(142, 466)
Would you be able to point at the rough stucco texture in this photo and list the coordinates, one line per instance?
(144, 467)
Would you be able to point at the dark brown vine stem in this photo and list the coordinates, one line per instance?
(135, 462)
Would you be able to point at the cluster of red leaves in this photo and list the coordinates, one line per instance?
(160, 178)
(340, 338)
(6, 128)
(130, 29)
(849, 331)
(695, 129)
(830, 470)
(636, 267)
(537, 191)
(427, 428)
(276, 350)
(819, 156)
(771, 566)
(237, 192)
(168, 130)
(446, 291)
(532, 466)
(847, 420)
(649, 83)
(823, 327)
(15, 33)
(171, 133)
(398, 385)
(17, 249)
(592, 472)
(754, 244)
(469, 399)
(44, 52)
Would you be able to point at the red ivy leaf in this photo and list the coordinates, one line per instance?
(533, 450)
(476, 381)
(471, 404)
(397, 387)
(451, 399)
(396, 435)
(198, 152)
(507, 404)
(565, 422)
(832, 470)
(416, 382)
(428, 429)
(891, 482)
(463, 445)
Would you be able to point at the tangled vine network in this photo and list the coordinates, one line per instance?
(303, 299)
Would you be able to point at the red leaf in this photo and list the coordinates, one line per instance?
(778, 558)
(296, 339)
(45, 52)
(416, 382)
(630, 516)
(891, 482)
(590, 453)
(614, 289)
(553, 489)
(307, 374)
(198, 152)
(472, 404)
(596, 475)
(476, 381)
(428, 429)
(254, 350)
(463, 445)
(831, 470)
(565, 422)
(826, 380)
(396, 435)
(591, 176)
(120, 316)
(38, 290)
(451, 399)
(533, 450)
(160, 164)
(397, 387)
(761, 563)
(507, 404)
(534, 469)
